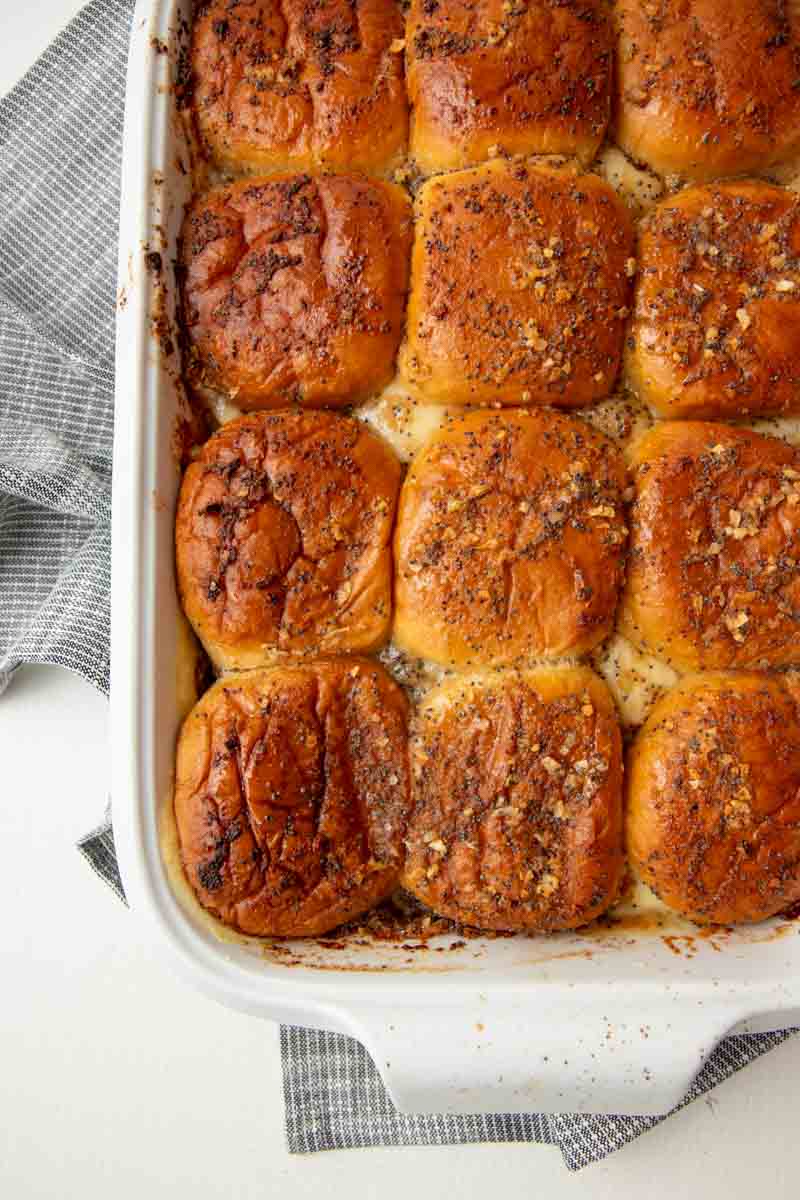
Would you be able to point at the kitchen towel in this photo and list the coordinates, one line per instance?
(60, 144)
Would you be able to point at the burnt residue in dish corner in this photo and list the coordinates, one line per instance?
(401, 923)
(203, 671)
(192, 425)
(162, 323)
(183, 86)
(154, 262)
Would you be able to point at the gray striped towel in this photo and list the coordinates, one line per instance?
(60, 140)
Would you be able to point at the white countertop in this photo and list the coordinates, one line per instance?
(117, 1081)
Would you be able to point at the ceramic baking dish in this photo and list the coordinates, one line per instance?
(614, 1020)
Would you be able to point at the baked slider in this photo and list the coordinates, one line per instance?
(284, 84)
(291, 796)
(713, 797)
(523, 76)
(283, 538)
(519, 286)
(706, 88)
(510, 540)
(713, 574)
(716, 317)
(294, 288)
(517, 808)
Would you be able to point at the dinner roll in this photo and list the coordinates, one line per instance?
(524, 76)
(707, 87)
(716, 321)
(294, 288)
(517, 810)
(713, 807)
(518, 286)
(283, 535)
(510, 540)
(713, 576)
(291, 795)
(282, 84)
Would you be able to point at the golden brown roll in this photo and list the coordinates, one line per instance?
(294, 288)
(517, 809)
(713, 576)
(713, 797)
(283, 536)
(284, 84)
(707, 87)
(716, 319)
(510, 540)
(518, 286)
(525, 76)
(291, 795)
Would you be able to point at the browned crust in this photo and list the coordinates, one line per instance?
(510, 540)
(713, 575)
(283, 538)
(300, 84)
(291, 796)
(713, 808)
(527, 76)
(294, 288)
(706, 88)
(716, 320)
(518, 287)
(517, 811)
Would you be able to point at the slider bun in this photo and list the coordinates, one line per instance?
(517, 807)
(283, 538)
(285, 84)
(707, 87)
(716, 321)
(530, 77)
(713, 577)
(518, 286)
(294, 288)
(713, 808)
(291, 796)
(510, 540)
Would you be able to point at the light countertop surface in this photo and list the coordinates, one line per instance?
(117, 1081)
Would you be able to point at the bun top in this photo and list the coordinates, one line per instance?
(519, 286)
(283, 537)
(287, 84)
(294, 288)
(706, 88)
(531, 77)
(716, 319)
(510, 540)
(292, 794)
(713, 810)
(713, 577)
(517, 812)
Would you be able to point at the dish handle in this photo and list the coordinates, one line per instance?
(576, 1054)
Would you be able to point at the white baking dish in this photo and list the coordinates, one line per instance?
(613, 1021)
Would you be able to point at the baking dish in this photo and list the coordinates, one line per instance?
(615, 1020)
